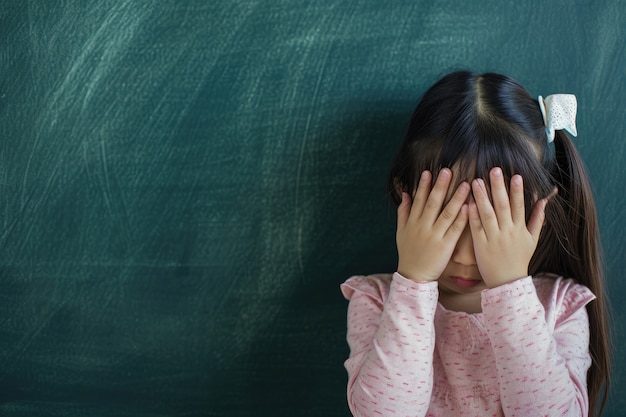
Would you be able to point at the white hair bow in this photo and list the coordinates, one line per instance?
(559, 112)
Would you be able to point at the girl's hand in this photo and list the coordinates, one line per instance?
(503, 242)
(426, 235)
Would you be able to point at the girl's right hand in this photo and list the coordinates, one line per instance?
(427, 235)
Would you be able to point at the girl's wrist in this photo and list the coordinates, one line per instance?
(414, 276)
(493, 283)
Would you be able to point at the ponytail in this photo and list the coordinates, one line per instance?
(580, 258)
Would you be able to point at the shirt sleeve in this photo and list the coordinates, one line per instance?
(542, 353)
(390, 368)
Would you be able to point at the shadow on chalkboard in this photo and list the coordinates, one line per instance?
(295, 367)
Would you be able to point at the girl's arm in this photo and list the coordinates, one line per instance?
(542, 359)
(391, 347)
(541, 364)
(391, 342)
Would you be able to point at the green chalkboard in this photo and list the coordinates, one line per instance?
(185, 184)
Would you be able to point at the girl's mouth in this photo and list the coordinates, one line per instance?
(465, 282)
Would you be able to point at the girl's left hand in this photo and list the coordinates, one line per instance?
(503, 242)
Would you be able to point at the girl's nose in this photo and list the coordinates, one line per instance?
(464, 251)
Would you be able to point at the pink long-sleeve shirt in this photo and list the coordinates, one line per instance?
(525, 354)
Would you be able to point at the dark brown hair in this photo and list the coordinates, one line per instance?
(475, 122)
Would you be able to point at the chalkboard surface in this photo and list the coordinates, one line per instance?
(185, 184)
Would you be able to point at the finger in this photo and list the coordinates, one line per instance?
(486, 213)
(404, 209)
(476, 226)
(537, 217)
(457, 227)
(500, 197)
(421, 195)
(451, 211)
(518, 209)
(437, 196)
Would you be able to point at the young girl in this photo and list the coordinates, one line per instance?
(497, 306)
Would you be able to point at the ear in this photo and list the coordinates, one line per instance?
(549, 197)
(398, 186)
(554, 192)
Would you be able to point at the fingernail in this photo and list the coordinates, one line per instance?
(497, 172)
(517, 180)
(424, 175)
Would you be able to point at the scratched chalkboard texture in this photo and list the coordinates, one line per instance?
(186, 183)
